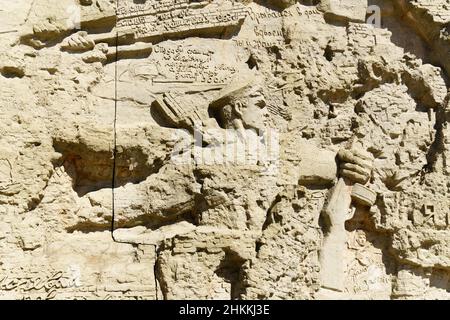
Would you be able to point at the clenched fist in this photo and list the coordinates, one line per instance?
(79, 41)
(355, 165)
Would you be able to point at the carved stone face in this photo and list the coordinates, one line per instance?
(252, 109)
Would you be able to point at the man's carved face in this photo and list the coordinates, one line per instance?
(252, 108)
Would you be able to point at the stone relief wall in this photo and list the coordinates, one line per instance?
(224, 149)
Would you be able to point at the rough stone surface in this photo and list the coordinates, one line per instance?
(106, 194)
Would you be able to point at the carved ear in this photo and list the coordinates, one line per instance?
(238, 106)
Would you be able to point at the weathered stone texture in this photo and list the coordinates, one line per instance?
(224, 149)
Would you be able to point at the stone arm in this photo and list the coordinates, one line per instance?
(319, 166)
(355, 169)
(95, 47)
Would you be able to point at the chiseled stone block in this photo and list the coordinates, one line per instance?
(354, 10)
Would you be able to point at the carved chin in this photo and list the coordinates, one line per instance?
(254, 125)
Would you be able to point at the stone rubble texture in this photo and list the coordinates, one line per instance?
(93, 205)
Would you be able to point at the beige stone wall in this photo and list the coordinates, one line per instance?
(224, 149)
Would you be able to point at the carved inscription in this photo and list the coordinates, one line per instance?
(41, 287)
(158, 19)
(189, 64)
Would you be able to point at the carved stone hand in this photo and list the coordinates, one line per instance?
(355, 165)
(79, 41)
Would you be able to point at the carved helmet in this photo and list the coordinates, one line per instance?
(238, 87)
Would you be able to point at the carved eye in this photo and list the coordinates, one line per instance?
(256, 94)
